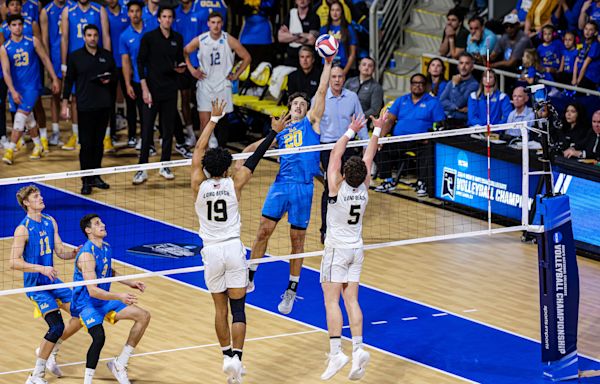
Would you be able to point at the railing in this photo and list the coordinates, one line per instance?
(387, 19)
(504, 74)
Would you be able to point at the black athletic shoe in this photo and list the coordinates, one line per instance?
(99, 183)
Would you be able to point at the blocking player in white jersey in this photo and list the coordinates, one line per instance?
(217, 196)
(343, 256)
(216, 58)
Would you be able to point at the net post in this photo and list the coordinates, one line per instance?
(525, 174)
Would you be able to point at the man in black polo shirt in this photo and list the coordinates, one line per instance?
(91, 68)
(300, 27)
(159, 62)
(306, 78)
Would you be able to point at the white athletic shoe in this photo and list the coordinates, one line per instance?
(287, 302)
(140, 177)
(334, 364)
(35, 380)
(119, 371)
(51, 364)
(232, 367)
(360, 359)
(166, 173)
(251, 287)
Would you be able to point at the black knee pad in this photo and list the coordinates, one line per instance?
(56, 327)
(98, 338)
(238, 310)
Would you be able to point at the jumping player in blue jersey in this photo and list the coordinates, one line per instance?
(292, 190)
(36, 239)
(20, 64)
(73, 21)
(94, 303)
(50, 29)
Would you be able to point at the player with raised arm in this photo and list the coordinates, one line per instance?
(94, 302)
(36, 239)
(292, 190)
(343, 256)
(217, 196)
(20, 56)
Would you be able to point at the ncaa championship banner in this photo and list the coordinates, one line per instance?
(559, 287)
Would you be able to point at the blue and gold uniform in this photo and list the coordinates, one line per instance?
(150, 19)
(293, 187)
(27, 29)
(204, 8)
(40, 250)
(117, 24)
(25, 72)
(54, 13)
(93, 311)
(78, 19)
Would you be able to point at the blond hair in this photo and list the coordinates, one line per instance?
(23, 194)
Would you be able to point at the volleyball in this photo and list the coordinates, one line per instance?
(326, 46)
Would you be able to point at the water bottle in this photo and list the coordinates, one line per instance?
(393, 63)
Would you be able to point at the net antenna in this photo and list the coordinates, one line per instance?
(488, 134)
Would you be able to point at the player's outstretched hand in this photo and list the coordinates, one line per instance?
(358, 122)
(218, 108)
(49, 272)
(139, 285)
(278, 124)
(380, 121)
(128, 298)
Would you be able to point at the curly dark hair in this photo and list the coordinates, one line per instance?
(355, 171)
(217, 161)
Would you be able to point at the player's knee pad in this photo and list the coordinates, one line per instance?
(30, 121)
(98, 336)
(19, 122)
(238, 309)
(93, 354)
(56, 327)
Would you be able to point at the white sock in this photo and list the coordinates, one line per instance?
(335, 345)
(40, 368)
(75, 129)
(44, 133)
(55, 128)
(356, 343)
(126, 353)
(295, 279)
(107, 132)
(89, 375)
(36, 140)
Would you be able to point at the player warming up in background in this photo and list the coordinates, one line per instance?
(94, 302)
(292, 190)
(217, 197)
(343, 256)
(35, 241)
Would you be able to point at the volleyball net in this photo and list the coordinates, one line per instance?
(152, 228)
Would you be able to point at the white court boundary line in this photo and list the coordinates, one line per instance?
(201, 346)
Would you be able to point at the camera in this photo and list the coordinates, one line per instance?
(538, 94)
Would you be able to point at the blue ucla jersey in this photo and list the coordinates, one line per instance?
(54, 13)
(27, 29)
(298, 167)
(78, 19)
(103, 258)
(150, 19)
(117, 24)
(39, 248)
(187, 24)
(203, 8)
(31, 10)
(24, 64)
(129, 44)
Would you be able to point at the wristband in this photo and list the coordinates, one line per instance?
(63, 67)
(377, 131)
(215, 119)
(350, 134)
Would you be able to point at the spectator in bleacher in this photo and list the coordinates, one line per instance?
(300, 27)
(532, 68)
(415, 112)
(575, 130)
(550, 50)
(521, 111)
(590, 11)
(480, 39)
(591, 147)
(340, 105)
(321, 8)
(369, 91)
(500, 106)
(306, 78)
(521, 10)
(586, 73)
(568, 11)
(436, 77)
(509, 49)
(539, 15)
(338, 27)
(456, 94)
(257, 32)
(454, 39)
(567, 60)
